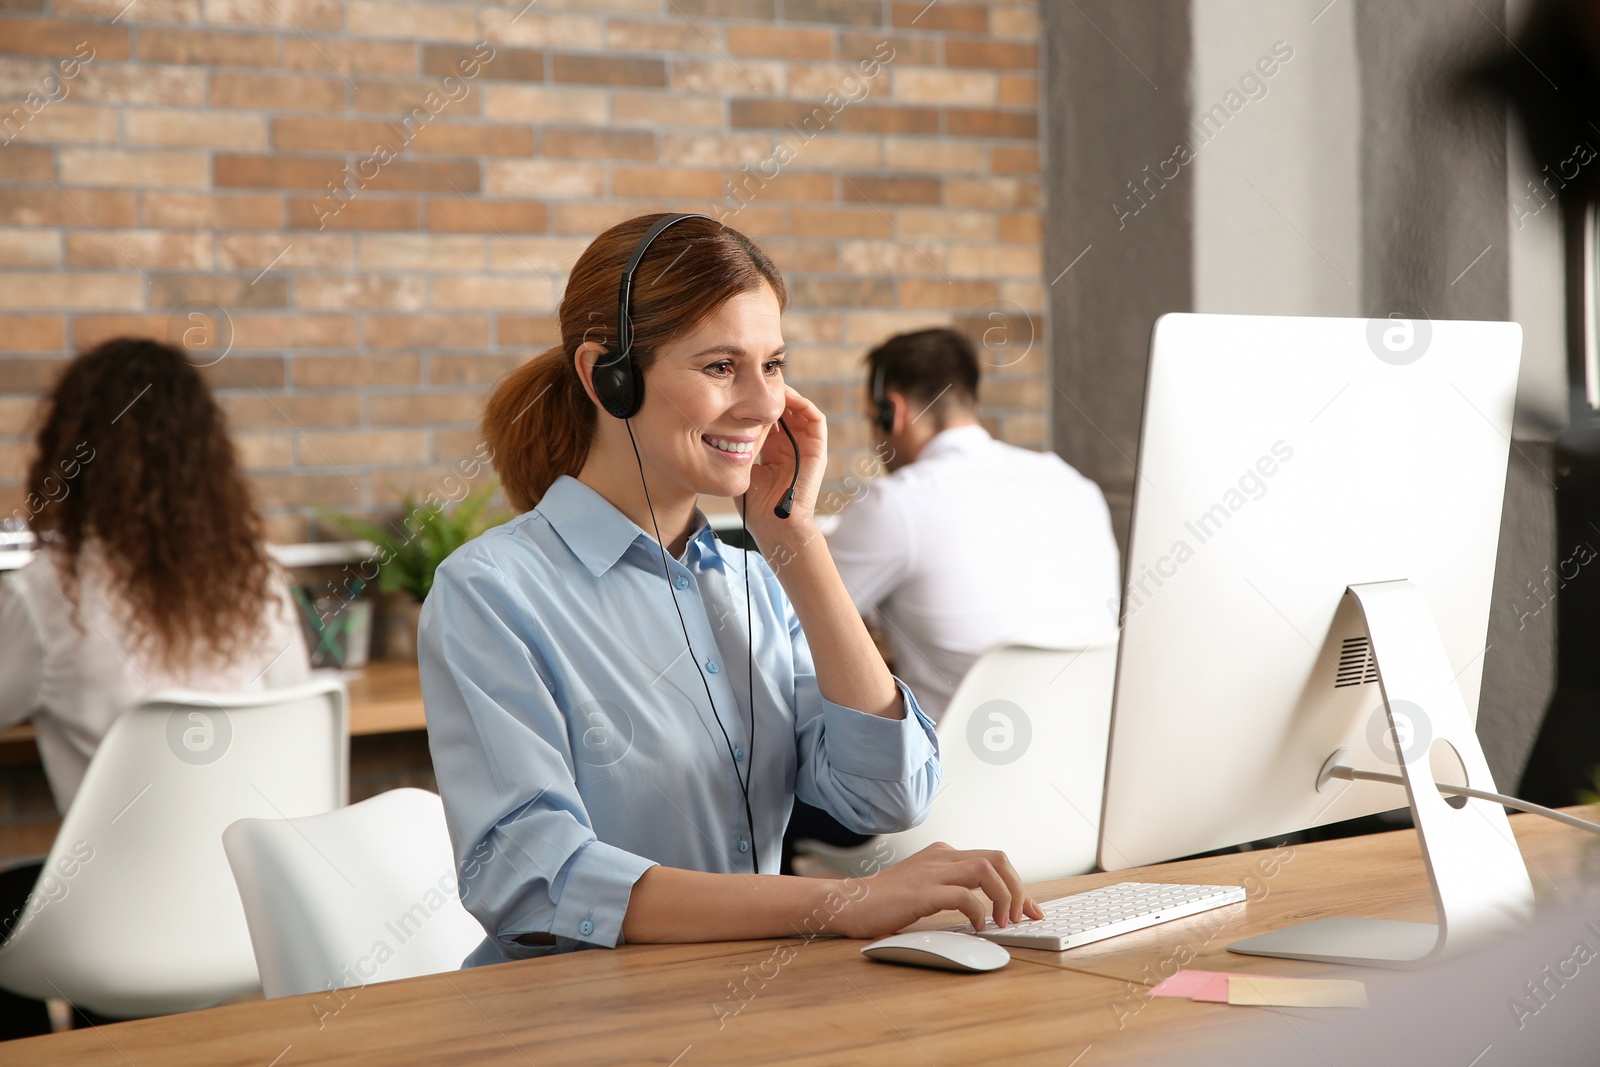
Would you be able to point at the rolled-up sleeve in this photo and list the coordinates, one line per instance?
(875, 775)
(528, 857)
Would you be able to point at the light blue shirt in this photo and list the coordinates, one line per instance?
(571, 737)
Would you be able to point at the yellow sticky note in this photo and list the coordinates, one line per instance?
(1297, 992)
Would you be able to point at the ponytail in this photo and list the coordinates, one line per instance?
(538, 425)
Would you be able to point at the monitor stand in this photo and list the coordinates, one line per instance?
(1480, 885)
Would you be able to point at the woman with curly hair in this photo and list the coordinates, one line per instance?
(151, 573)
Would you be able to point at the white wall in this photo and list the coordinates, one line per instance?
(1278, 188)
(1538, 296)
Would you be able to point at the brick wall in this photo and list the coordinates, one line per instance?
(242, 175)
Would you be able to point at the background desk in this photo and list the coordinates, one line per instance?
(821, 1001)
(385, 698)
(389, 750)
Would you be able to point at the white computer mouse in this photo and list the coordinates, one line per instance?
(944, 949)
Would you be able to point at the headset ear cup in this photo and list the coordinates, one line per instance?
(635, 387)
(619, 385)
(623, 392)
(883, 414)
(607, 385)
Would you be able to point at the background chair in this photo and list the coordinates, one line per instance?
(1023, 745)
(135, 912)
(364, 894)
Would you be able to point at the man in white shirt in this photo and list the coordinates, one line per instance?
(968, 542)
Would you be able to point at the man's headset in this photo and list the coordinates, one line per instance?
(618, 378)
(883, 410)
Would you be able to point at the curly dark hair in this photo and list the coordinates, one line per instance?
(134, 457)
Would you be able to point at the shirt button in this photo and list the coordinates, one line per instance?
(711, 665)
(738, 754)
(586, 928)
(681, 582)
(744, 846)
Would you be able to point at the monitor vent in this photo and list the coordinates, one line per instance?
(1356, 665)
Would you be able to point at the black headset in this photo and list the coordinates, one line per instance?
(883, 413)
(619, 385)
(618, 381)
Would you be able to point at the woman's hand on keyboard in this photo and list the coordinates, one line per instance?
(939, 878)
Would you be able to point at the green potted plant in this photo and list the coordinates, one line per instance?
(409, 550)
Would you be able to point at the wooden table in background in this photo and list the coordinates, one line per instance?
(791, 1001)
(385, 698)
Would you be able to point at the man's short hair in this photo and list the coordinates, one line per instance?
(937, 368)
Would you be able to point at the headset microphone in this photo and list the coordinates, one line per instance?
(786, 505)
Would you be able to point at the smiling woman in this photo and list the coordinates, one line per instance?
(620, 788)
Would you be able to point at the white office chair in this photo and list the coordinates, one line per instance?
(364, 894)
(1023, 746)
(135, 913)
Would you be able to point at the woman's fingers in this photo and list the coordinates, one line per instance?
(942, 878)
(955, 898)
(799, 407)
(973, 870)
(1013, 880)
(994, 873)
(994, 887)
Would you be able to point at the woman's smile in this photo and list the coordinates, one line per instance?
(734, 449)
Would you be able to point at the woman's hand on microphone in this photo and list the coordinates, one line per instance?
(939, 878)
(848, 670)
(773, 469)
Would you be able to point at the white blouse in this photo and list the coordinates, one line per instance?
(74, 680)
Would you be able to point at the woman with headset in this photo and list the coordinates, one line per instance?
(621, 708)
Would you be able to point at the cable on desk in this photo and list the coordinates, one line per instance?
(1350, 774)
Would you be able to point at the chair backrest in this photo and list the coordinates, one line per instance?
(364, 894)
(135, 912)
(1023, 745)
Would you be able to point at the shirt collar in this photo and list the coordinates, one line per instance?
(703, 543)
(957, 439)
(599, 535)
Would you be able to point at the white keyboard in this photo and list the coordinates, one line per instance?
(1101, 913)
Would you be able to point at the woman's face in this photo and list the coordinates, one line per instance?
(711, 396)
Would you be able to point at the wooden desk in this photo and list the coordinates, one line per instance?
(386, 698)
(819, 1001)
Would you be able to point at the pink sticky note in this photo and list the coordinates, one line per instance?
(1206, 986)
(1183, 984)
(1214, 991)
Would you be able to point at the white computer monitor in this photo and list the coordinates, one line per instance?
(1283, 462)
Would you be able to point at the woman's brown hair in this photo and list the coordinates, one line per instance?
(134, 458)
(539, 422)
